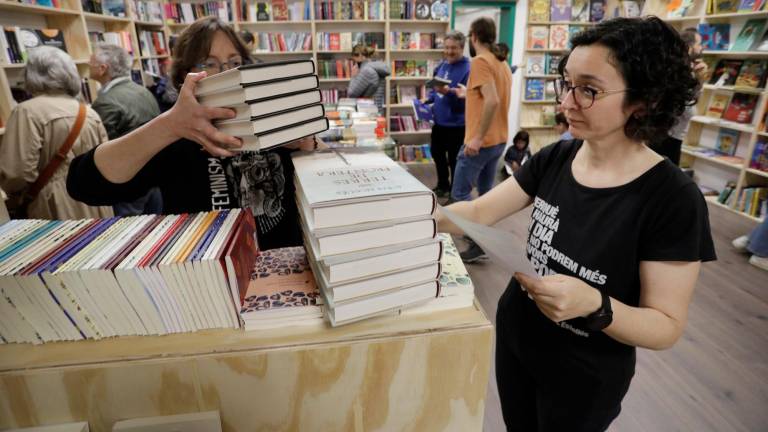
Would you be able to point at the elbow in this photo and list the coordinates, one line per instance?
(668, 340)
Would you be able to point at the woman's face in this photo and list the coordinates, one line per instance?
(520, 144)
(358, 58)
(589, 66)
(221, 57)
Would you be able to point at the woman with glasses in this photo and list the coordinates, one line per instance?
(192, 163)
(617, 235)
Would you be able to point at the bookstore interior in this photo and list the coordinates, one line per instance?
(154, 321)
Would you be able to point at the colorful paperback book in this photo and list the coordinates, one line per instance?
(423, 112)
(715, 37)
(727, 139)
(553, 61)
(561, 10)
(741, 108)
(558, 37)
(281, 281)
(747, 5)
(759, 158)
(630, 9)
(762, 44)
(573, 31)
(749, 35)
(538, 37)
(726, 72)
(535, 64)
(596, 10)
(752, 74)
(539, 11)
(726, 6)
(534, 89)
(718, 104)
(580, 10)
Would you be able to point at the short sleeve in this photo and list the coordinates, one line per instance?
(679, 230)
(480, 74)
(531, 173)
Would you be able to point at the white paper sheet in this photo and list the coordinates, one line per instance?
(501, 246)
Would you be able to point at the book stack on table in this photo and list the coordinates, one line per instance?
(369, 232)
(275, 103)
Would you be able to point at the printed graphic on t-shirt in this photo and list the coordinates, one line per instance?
(260, 186)
(543, 228)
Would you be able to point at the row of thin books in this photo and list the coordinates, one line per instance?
(369, 232)
(275, 103)
(142, 275)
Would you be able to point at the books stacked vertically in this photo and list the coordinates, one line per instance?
(369, 232)
(282, 291)
(456, 288)
(143, 275)
(276, 103)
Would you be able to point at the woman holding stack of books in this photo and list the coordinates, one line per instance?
(617, 236)
(193, 163)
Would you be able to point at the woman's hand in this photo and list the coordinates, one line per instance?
(460, 91)
(188, 119)
(561, 297)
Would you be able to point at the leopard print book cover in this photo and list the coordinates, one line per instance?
(281, 278)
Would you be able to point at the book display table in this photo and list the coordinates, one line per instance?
(425, 372)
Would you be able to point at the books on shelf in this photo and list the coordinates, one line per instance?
(759, 159)
(538, 37)
(558, 37)
(121, 39)
(364, 208)
(414, 68)
(752, 201)
(189, 12)
(741, 108)
(715, 37)
(534, 89)
(538, 11)
(338, 68)
(749, 35)
(752, 74)
(344, 41)
(727, 140)
(15, 42)
(152, 43)
(281, 292)
(560, 10)
(717, 105)
(407, 123)
(413, 153)
(148, 11)
(96, 278)
(282, 42)
(580, 10)
(536, 64)
(422, 112)
(350, 10)
(415, 40)
(597, 10)
(726, 72)
(434, 10)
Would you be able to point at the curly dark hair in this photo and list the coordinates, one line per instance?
(653, 60)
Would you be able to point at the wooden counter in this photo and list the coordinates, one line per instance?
(407, 373)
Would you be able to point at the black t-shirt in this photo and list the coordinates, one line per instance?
(600, 236)
(192, 180)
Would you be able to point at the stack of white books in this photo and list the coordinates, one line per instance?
(275, 103)
(456, 288)
(369, 232)
(142, 275)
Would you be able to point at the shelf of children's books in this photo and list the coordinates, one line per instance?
(736, 54)
(336, 52)
(401, 106)
(545, 50)
(155, 57)
(757, 172)
(149, 23)
(29, 8)
(409, 78)
(416, 51)
(571, 23)
(277, 53)
(105, 18)
(539, 102)
(408, 133)
(736, 15)
(357, 21)
(418, 163)
(683, 19)
(723, 124)
(534, 127)
(334, 80)
(691, 152)
(23, 65)
(541, 76)
(713, 200)
(735, 89)
(764, 134)
(414, 21)
(276, 23)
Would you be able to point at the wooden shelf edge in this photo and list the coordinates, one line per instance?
(757, 172)
(713, 200)
(712, 159)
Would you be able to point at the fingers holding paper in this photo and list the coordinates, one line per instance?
(561, 297)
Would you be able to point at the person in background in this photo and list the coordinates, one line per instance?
(518, 153)
(370, 80)
(617, 234)
(123, 106)
(755, 243)
(192, 162)
(504, 49)
(670, 146)
(448, 111)
(248, 39)
(561, 126)
(487, 111)
(165, 93)
(35, 132)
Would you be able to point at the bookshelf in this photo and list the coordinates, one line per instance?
(302, 18)
(712, 170)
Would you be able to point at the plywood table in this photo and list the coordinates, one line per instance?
(407, 373)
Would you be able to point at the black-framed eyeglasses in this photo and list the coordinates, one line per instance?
(583, 96)
(213, 66)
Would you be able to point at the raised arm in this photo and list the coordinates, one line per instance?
(120, 159)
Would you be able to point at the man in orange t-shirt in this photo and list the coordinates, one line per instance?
(487, 94)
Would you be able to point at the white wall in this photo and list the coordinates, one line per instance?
(518, 49)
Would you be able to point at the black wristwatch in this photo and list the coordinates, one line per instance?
(601, 318)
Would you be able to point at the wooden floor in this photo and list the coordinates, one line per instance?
(716, 377)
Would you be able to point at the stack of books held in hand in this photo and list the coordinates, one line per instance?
(142, 275)
(282, 292)
(369, 232)
(275, 103)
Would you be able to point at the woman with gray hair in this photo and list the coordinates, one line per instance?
(35, 132)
